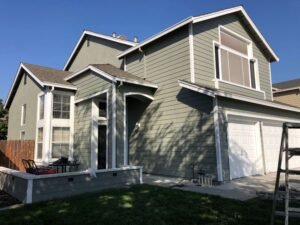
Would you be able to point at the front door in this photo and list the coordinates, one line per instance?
(102, 147)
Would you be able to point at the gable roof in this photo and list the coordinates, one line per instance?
(114, 74)
(198, 19)
(287, 85)
(44, 76)
(97, 35)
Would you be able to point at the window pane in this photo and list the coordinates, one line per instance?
(65, 115)
(236, 70)
(60, 142)
(234, 43)
(56, 106)
(224, 65)
(56, 114)
(56, 98)
(42, 102)
(217, 62)
(252, 71)
(39, 150)
(61, 106)
(40, 135)
(246, 72)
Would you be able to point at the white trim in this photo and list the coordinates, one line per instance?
(239, 85)
(114, 125)
(107, 126)
(90, 96)
(23, 111)
(72, 123)
(29, 191)
(257, 116)
(125, 63)
(47, 130)
(125, 122)
(217, 140)
(90, 33)
(214, 93)
(141, 175)
(285, 90)
(60, 86)
(191, 47)
(39, 124)
(94, 135)
(109, 77)
(201, 19)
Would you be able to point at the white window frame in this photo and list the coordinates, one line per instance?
(61, 94)
(51, 140)
(23, 109)
(248, 57)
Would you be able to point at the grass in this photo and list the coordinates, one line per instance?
(142, 204)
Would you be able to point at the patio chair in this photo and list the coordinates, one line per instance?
(31, 167)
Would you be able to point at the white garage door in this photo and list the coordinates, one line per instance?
(245, 155)
(272, 140)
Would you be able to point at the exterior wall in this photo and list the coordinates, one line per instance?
(289, 97)
(69, 185)
(177, 127)
(15, 186)
(25, 94)
(204, 34)
(88, 84)
(244, 107)
(97, 51)
(30, 188)
(82, 133)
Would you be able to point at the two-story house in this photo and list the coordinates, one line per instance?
(199, 92)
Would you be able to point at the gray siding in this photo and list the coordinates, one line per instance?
(89, 83)
(244, 107)
(97, 51)
(204, 34)
(25, 94)
(82, 133)
(177, 127)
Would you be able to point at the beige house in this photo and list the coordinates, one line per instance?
(287, 92)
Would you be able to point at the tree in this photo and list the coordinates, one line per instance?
(3, 122)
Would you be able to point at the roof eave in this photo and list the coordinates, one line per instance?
(220, 93)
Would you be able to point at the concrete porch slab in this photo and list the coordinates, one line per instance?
(240, 189)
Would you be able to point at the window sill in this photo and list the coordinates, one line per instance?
(237, 85)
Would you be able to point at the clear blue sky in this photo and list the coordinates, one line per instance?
(45, 32)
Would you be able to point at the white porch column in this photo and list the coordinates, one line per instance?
(94, 136)
(114, 124)
(47, 127)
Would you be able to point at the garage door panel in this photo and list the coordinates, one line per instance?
(244, 153)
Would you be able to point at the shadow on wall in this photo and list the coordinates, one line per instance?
(6, 162)
(174, 136)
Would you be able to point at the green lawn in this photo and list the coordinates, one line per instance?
(142, 204)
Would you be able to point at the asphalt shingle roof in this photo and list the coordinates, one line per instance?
(287, 84)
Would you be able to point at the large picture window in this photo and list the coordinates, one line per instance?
(233, 60)
(60, 142)
(61, 106)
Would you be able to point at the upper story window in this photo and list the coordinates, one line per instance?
(61, 106)
(23, 115)
(25, 78)
(41, 107)
(234, 62)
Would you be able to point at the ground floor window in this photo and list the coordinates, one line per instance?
(40, 143)
(60, 142)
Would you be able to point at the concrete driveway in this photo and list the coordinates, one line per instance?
(240, 189)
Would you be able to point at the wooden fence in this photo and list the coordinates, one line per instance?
(13, 151)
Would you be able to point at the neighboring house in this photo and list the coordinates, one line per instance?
(287, 92)
(197, 92)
